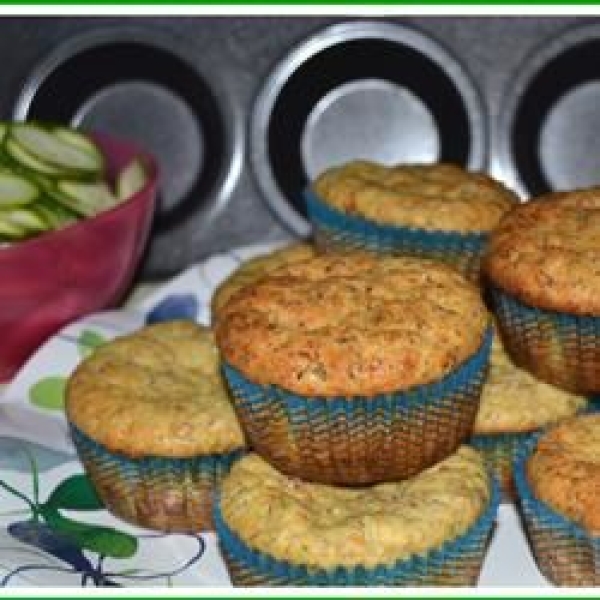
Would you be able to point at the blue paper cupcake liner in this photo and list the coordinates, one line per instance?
(456, 563)
(336, 230)
(361, 439)
(499, 452)
(560, 348)
(565, 553)
(169, 494)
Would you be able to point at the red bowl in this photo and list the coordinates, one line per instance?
(50, 280)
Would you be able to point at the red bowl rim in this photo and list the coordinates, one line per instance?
(149, 188)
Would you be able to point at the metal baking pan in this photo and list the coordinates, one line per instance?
(361, 89)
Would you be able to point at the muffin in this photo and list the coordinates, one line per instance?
(352, 368)
(251, 270)
(438, 210)
(543, 267)
(514, 405)
(558, 481)
(153, 425)
(428, 530)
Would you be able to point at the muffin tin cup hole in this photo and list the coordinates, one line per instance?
(362, 89)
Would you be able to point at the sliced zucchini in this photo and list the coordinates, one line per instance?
(10, 230)
(131, 179)
(51, 176)
(25, 219)
(54, 151)
(54, 215)
(27, 161)
(76, 138)
(16, 190)
(86, 199)
(65, 202)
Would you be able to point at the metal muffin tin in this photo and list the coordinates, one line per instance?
(137, 83)
(243, 111)
(361, 89)
(552, 115)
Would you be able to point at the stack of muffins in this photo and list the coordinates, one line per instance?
(341, 418)
(539, 265)
(357, 384)
(543, 270)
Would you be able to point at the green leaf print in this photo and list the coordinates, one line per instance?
(88, 341)
(105, 541)
(49, 393)
(75, 492)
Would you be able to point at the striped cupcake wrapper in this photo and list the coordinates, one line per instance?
(499, 452)
(560, 348)
(336, 230)
(565, 553)
(168, 494)
(361, 440)
(456, 563)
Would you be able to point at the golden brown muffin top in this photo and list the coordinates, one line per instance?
(325, 526)
(564, 470)
(429, 196)
(547, 252)
(513, 401)
(155, 392)
(253, 269)
(352, 324)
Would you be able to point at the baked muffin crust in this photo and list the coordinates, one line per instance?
(513, 401)
(547, 253)
(253, 269)
(564, 470)
(155, 392)
(352, 324)
(325, 526)
(428, 196)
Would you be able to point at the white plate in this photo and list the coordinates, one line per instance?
(31, 411)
